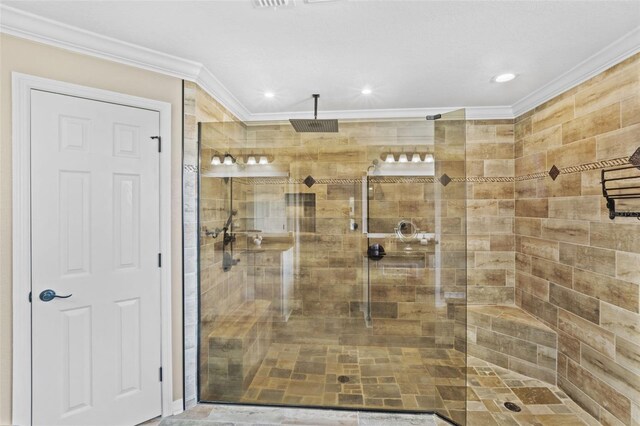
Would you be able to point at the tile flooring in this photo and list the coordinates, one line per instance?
(382, 378)
(367, 377)
(490, 386)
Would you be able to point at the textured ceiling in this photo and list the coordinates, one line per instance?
(412, 54)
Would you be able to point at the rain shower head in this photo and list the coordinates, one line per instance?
(314, 125)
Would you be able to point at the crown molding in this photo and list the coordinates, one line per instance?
(616, 52)
(43, 30)
(472, 113)
(214, 87)
(32, 27)
(489, 112)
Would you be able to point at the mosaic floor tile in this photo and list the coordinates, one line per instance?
(361, 377)
(541, 404)
(536, 395)
(398, 379)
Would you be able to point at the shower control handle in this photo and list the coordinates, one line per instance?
(376, 252)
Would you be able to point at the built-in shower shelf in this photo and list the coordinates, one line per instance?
(419, 236)
(403, 169)
(240, 173)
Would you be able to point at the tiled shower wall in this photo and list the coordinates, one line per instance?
(328, 282)
(577, 270)
(490, 212)
(198, 106)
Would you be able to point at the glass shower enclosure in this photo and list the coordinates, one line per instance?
(332, 266)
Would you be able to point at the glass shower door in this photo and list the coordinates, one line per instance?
(451, 262)
(416, 269)
(297, 304)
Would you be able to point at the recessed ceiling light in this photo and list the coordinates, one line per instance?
(366, 91)
(269, 94)
(503, 78)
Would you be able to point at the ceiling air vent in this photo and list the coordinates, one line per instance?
(262, 4)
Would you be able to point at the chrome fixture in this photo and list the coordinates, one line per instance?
(406, 231)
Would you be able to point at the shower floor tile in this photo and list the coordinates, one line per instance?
(540, 403)
(366, 377)
(411, 379)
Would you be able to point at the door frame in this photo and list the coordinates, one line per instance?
(22, 84)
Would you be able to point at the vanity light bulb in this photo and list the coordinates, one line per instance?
(403, 158)
(428, 158)
(251, 160)
(389, 158)
(415, 158)
(228, 161)
(215, 160)
(264, 160)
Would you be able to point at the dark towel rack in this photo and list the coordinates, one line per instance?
(625, 187)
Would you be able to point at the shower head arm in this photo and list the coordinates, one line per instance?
(315, 106)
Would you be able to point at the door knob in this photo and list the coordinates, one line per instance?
(48, 295)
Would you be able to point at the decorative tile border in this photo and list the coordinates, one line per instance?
(622, 161)
(580, 168)
(338, 181)
(483, 179)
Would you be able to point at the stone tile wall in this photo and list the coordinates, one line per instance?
(509, 337)
(330, 276)
(577, 270)
(198, 107)
(490, 212)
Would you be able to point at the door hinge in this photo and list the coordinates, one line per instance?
(159, 142)
(29, 297)
(159, 260)
(160, 373)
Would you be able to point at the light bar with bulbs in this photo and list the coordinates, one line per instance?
(249, 159)
(406, 157)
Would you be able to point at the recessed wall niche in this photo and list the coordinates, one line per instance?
(301, 212)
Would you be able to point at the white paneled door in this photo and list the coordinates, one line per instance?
(95, 243)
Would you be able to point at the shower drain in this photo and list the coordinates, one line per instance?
(343, 379)
(512, 407)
